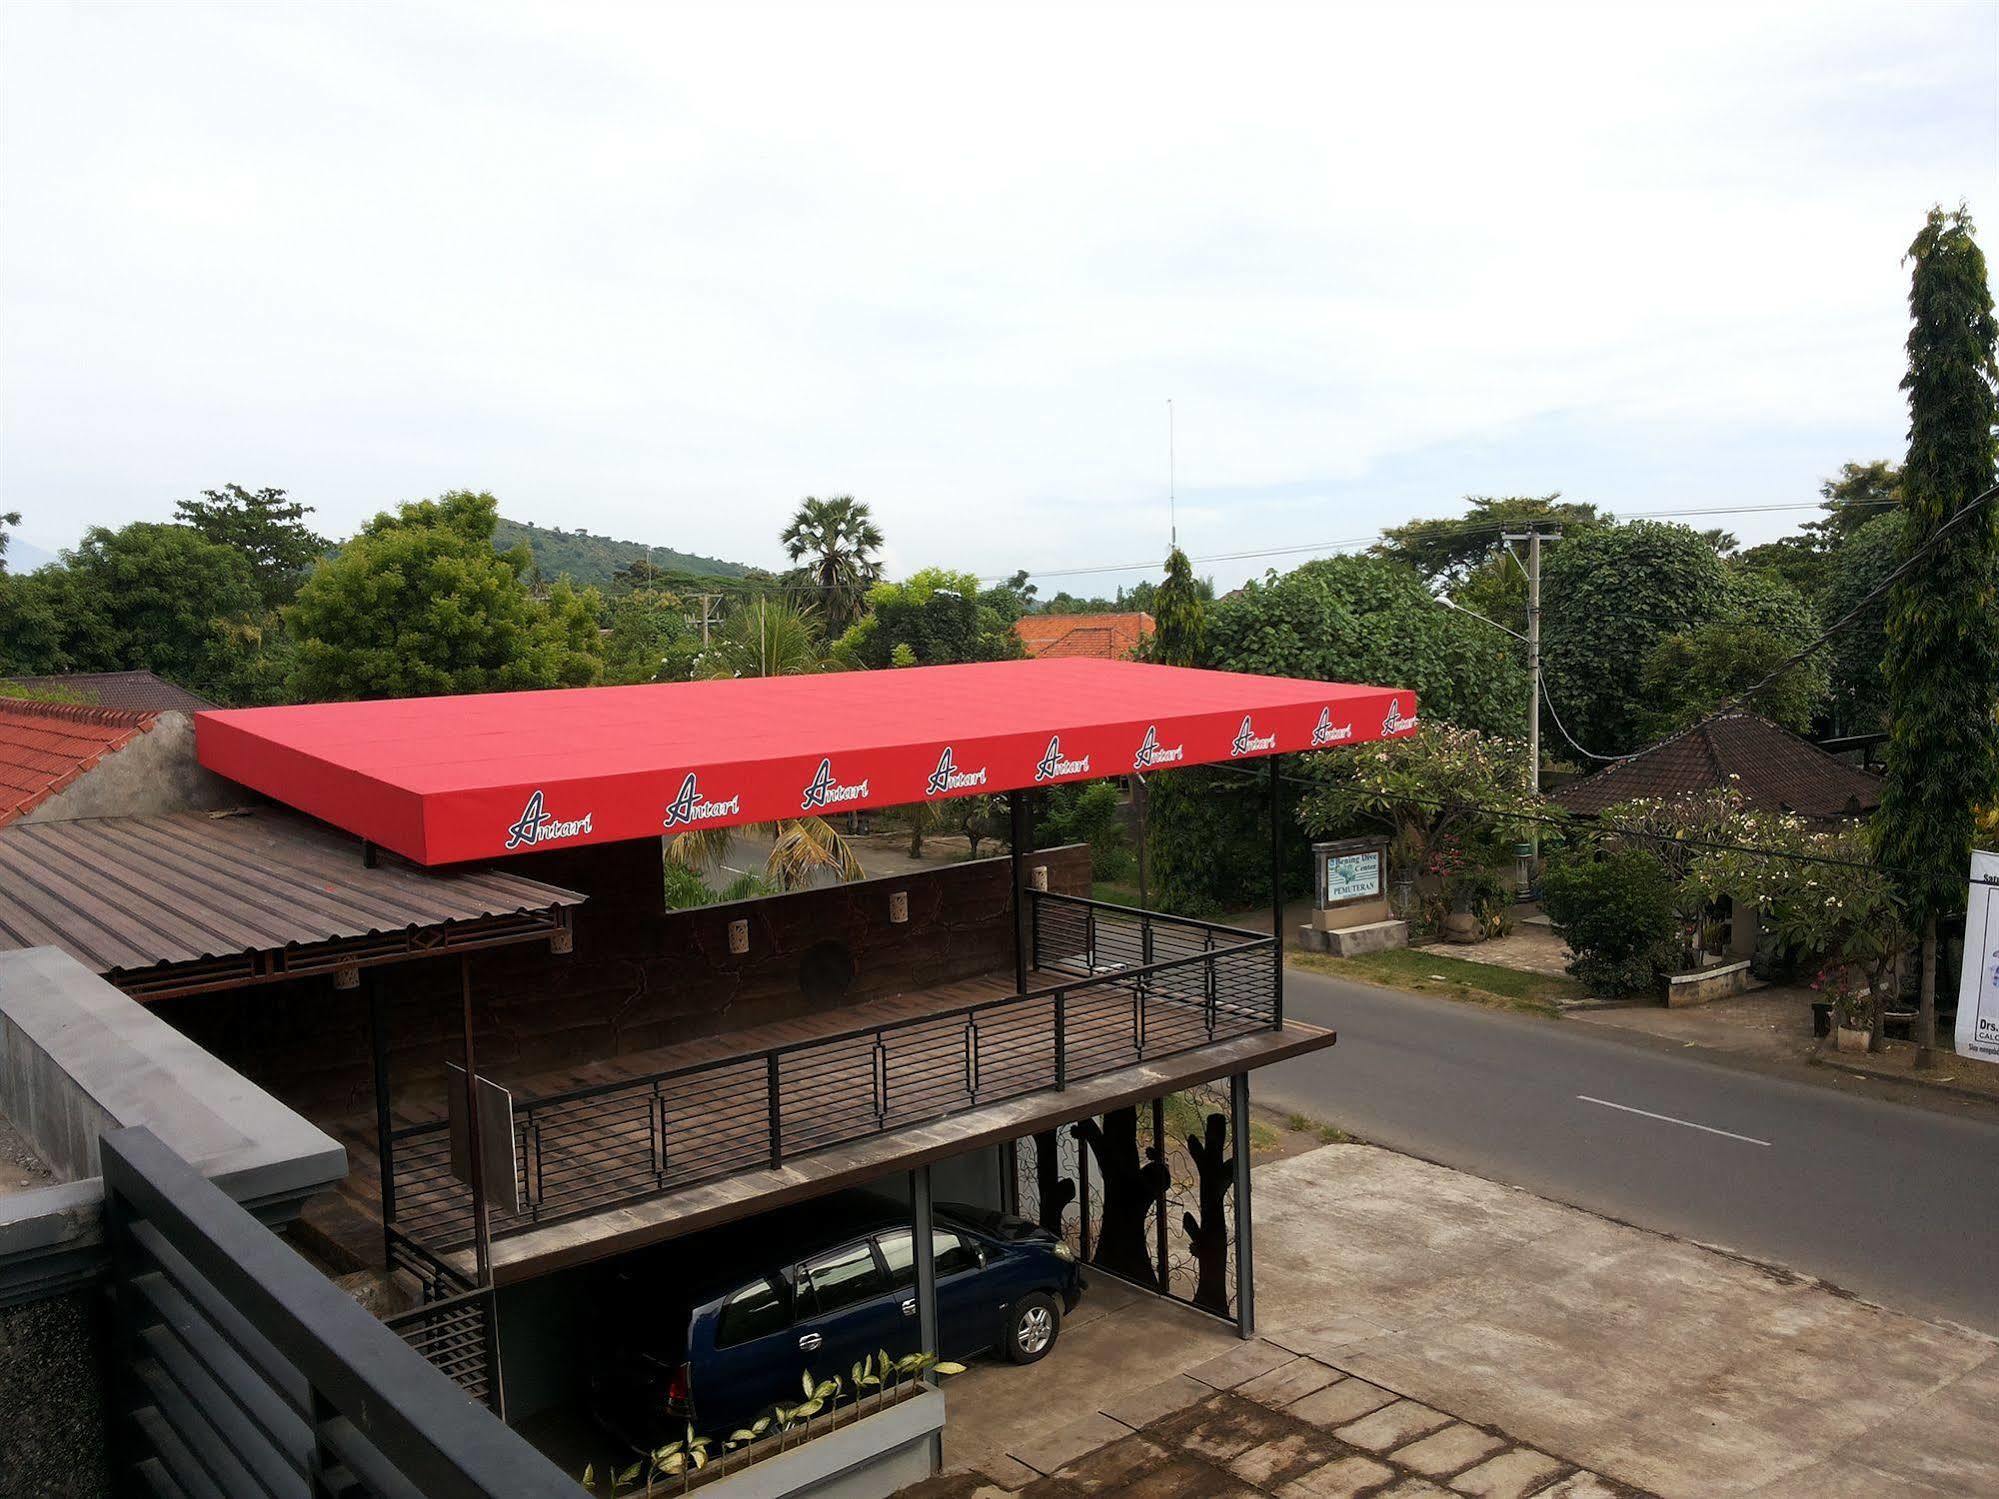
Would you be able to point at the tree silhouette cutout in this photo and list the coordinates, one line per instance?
(1208, 1235)
(1131, 1189)
(1055, 1190)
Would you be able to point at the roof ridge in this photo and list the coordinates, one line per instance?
(119, 718)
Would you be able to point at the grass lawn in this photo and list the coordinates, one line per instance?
(1425, 970)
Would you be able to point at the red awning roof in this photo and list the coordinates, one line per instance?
(445, 779)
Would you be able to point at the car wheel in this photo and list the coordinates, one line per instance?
(1032, 1325)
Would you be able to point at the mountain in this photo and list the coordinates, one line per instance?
(590, 560)
(25, 556)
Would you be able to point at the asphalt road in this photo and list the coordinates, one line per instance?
(1897, 1204)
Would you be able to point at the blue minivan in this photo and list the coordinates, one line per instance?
(714, 1328)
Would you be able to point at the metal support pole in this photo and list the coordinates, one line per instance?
(923, 1253)
(1159, 1240)
(1276, 893)
(1018, 832)
(1141, 794)
(1245, 1259)
(482, 1238)
(1009, 1186)
(385, 1149)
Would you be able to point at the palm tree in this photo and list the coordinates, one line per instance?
(768, 638)
(842, 541)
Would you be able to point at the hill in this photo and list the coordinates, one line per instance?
(590, 560)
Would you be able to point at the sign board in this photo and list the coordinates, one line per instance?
(1349, 872)
(1978, 987)
(496, 1140)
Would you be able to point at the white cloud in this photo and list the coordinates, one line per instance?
(659, 272)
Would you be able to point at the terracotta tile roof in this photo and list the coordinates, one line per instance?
(1774, 769)
(119, 689)
(45, 746)
(1104, 637)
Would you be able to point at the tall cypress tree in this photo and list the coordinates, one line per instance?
(1942, 662)
(1179, 614)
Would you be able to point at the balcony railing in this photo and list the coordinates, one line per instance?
(1145, 986)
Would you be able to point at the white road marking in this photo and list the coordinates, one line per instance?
(1669, 1119)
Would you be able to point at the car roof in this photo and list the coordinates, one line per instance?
(702, 1267)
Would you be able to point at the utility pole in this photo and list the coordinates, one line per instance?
(1533, 537)
(707, 618)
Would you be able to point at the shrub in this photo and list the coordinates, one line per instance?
(1092, 814)
(1615, 910)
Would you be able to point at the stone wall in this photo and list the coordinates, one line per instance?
(640, 977)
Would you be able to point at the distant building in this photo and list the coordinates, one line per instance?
(1772, 768)
(60, 761)
(1101, 637)
(139, 690)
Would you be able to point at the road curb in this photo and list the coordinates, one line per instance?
(1956, 1090)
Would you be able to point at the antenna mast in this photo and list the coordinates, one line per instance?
(1172, 500)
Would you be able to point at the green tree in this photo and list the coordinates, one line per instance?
(267, 527)
(932, 618)
(646, 639)
(1452, 550)
(1861, 564)
(1943, 646)
(1859, 493)
(1179, 616)
(766, 637)
(419, 603)
(1764, 622)
(1368, 619)
(1609, 597)
(840, 545)
(8, 520)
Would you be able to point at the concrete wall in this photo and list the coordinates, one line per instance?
(640, 977)
(154, 774)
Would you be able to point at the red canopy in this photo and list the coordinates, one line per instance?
(443, 779)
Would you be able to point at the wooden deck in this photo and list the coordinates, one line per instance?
(611, 1159)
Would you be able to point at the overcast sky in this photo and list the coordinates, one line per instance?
(659, 273)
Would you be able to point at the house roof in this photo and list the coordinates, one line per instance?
(1773, 769)
(45, 746)
(119, 689)
(444, 779)
(1100, 637)
(193, 900)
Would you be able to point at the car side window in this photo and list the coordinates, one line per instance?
(952, 1254)
(844, 1277)
(756, 1311)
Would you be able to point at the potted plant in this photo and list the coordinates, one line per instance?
(1852, 1000)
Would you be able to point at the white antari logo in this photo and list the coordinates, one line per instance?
(1053, 764)
(1248, 742)
(1395, 723)
(689, 806)
(824, 791)
(537, 826)
(947, 778)
(1151, 752)
(1326, 732)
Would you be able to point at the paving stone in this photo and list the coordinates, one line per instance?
(1288, 1382)
(1414, 1488)
(1114, 1465)
(1581, 1486)
(1140, 1408)
(1067, 1443)
(1183, 1478)
(1511, 1475)
(1451, 1450)
(1221, 1428)
(1269, 1463)
(1239, 1364)
(1347, 1478)
(1393, 1426)
(1340, 1402)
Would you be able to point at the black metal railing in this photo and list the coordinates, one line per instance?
(1145, 986)
(453, 1323)
(242, 1371)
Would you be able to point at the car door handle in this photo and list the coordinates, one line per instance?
(810, 1341)
(909, 1307)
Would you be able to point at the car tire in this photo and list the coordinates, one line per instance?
(1032, 1325)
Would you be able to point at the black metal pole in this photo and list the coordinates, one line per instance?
(1142, 794)
(1017, 835)
(385, 1149)
(1009, 1184)
(1276, 893)
(482, 1241)
(1160, 1229)
(923, 1252)
(1245, 1259)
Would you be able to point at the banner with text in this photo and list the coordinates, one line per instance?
(1978, 989)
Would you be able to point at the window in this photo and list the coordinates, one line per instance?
(756, 1311)
(951, 1253)
(844, 1277)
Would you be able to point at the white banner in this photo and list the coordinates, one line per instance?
(1978, 990)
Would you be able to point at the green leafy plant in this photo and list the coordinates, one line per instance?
(1615, 910)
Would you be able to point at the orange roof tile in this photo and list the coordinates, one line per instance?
(1103, 637)
(45, 746)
